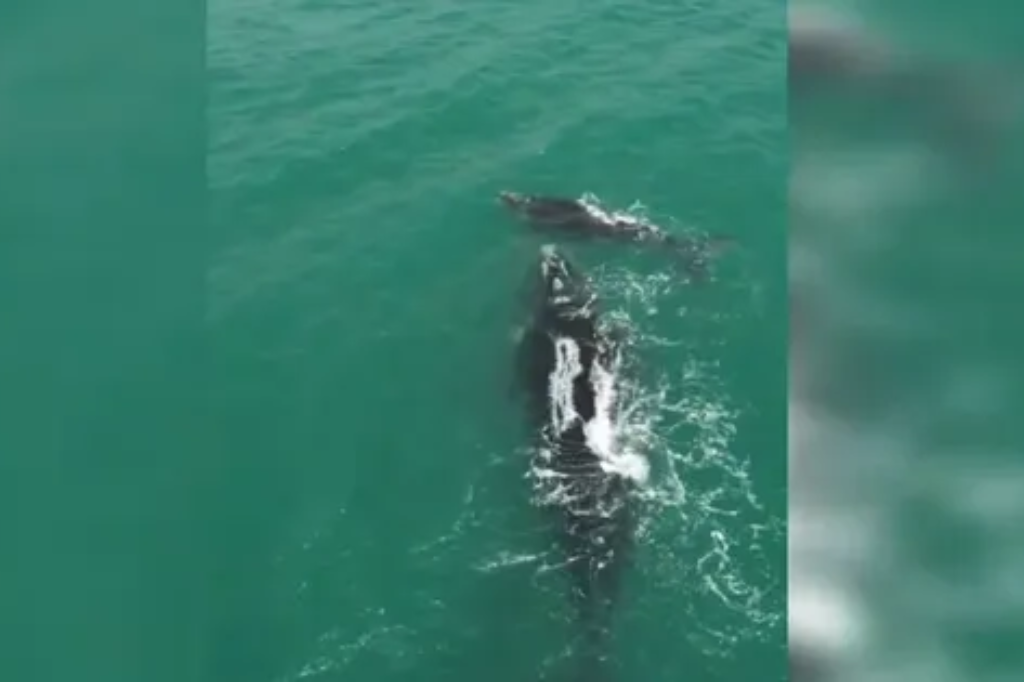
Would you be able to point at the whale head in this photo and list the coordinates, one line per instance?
(513, 200)
(560, 278)
(565, 294)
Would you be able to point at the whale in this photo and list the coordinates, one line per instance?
(576, 219)
(569, 364)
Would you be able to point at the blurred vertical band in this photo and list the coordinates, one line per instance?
(102, 257)
(906, 475)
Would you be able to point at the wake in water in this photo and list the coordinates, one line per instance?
(699, 501)
(630, 461)
(708, 538)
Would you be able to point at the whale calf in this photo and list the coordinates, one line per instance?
(573, 217)
(569, 365)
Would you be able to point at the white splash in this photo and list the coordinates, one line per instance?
(506, 559)
(560, 387)
(594, 208)
(601, 432)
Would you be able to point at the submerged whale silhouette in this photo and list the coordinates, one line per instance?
(569, 365)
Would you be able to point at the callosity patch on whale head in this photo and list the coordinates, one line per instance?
(513, 200)
(562, 283)
(557, 270)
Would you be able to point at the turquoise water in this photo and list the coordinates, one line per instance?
(367, 295)
(281, 445)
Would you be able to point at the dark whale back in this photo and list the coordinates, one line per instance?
(572, 218)
(555, 209)
(562, 352)
(563, 334)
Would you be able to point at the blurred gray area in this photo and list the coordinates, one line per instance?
(906, 242)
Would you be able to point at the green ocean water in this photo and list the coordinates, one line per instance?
(280, 444)
(276, 445)
(368, 289)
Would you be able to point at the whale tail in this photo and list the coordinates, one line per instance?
(593, 666)
(593, 660)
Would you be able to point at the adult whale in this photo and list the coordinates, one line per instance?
(575, 218)
(569, 364)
